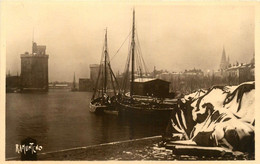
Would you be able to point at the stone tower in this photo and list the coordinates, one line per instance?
(34, 69)
(94, 71)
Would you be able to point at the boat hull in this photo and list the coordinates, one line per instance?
(98, 108)
(150, 112)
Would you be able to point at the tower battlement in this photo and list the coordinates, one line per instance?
(34, 69)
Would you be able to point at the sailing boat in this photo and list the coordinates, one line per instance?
(134, 104)
(101, 100)
(73, 89)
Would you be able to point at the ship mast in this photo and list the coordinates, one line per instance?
(133, 56)
(74, 82)
(105, 82)
(33, 41)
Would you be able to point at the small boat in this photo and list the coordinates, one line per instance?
(101, 100)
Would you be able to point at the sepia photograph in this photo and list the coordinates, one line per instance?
(128, 80)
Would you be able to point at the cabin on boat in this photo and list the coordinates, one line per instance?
(151, 87)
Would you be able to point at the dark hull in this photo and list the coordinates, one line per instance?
(145, 112)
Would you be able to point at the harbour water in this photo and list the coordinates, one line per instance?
(60, 119)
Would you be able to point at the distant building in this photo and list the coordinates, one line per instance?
(34, 69)
(59, 85)
(252, 65)
(237, 73)
(151, 87)
(12, 83)
(194, 72)
(240, 73)
(94, 70)
(85, 84)
(224, 63)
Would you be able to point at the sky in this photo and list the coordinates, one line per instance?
(172, 36)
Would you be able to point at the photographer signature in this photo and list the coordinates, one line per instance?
(26, 148)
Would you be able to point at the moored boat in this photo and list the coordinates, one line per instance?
(149, 108)
(146, 98)
(101, 101)
(96, 106)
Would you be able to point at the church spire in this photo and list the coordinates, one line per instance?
(224, 61)
(224, 55)
(253, 59)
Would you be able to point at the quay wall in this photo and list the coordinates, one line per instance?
(106, 151)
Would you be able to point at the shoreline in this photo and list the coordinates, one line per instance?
(128, 150)
(119, 150)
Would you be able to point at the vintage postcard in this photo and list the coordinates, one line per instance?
(129, 81)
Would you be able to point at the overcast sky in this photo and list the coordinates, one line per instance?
(172, 37)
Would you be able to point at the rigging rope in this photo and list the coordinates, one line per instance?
(141, 55)
(99, 72)
(139, 62)
(120, 46)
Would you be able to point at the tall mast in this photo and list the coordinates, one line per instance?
(105, 82)
(33, 41)
(133, 56)
(74, 81)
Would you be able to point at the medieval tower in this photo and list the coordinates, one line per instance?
(34, 69)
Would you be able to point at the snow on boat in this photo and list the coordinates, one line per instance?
(221, 117)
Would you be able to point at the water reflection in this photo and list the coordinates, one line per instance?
(61, 119)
